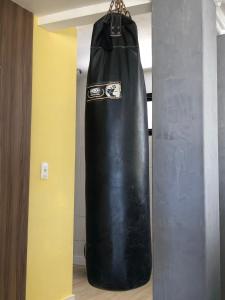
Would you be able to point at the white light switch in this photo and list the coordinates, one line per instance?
(44, 171)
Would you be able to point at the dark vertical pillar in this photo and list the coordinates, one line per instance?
(185, 151)
(16, 28)
(221, 117)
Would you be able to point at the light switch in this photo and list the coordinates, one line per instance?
(44, 171)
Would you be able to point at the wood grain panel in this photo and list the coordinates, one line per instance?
(16, 30)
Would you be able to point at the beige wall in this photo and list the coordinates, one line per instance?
(51, 204)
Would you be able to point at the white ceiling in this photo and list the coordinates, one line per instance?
(145, 40)
(44, 7)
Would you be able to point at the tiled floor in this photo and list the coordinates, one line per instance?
(84, 291)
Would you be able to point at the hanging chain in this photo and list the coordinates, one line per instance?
(120, 7)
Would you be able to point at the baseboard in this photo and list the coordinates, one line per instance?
(72, 297)
(80, 260)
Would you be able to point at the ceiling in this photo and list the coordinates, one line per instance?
(145, 41)
(44, 7)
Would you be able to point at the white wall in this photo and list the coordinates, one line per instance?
(148, 83)
(79, 229)
(148, 80)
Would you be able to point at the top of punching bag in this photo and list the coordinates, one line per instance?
(114, 30)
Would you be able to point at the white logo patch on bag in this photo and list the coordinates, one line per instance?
(113, 90)
(100, 92)
(96, 92)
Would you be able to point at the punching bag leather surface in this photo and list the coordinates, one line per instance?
(118, 249)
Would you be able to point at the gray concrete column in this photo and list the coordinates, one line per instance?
(185, 151)
(221, 110)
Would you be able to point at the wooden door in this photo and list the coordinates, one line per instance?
(16, 28)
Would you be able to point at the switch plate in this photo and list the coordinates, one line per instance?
(44, 171)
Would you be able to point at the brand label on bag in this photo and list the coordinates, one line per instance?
(100, 92)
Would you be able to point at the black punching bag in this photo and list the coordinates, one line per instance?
(118, 248)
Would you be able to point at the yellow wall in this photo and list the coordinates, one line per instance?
(50, 236)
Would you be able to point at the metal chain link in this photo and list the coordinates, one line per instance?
(120, 7)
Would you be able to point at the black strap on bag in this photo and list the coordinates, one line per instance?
(114, 15)
(117, 9)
